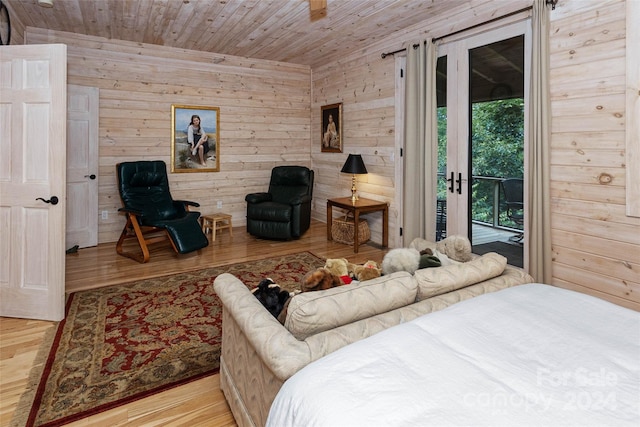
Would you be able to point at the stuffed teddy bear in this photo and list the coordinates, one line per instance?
(456, 248)
(320, 279)
(339, 267)
(367, 271)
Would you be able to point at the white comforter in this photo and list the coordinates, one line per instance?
(529, 355)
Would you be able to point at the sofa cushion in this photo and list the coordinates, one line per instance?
(309, 313)
(439, 280)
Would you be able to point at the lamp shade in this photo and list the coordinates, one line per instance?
(354, 165)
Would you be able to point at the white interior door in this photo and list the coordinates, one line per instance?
(82, 166)
(33, 93)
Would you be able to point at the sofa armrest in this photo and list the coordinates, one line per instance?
(277, 348)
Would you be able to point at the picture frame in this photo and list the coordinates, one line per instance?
(331, 132)
(203, 157)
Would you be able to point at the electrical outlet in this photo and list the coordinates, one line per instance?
(219, 204)
(105, 214)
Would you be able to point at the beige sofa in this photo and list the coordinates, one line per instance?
(259, 354)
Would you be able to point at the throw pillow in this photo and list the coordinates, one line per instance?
(439, 280)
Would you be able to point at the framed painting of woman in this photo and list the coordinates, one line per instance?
(331, 141)
(195, 139)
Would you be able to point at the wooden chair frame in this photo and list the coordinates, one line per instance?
(144, 235)
(133, 230)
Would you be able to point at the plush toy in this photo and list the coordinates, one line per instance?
(410, 259)
(320, 279)
(456, 248)
(316, 280)
(271, 296)
(401, 259)
(367, 271)
(339, 267)
(428, 259)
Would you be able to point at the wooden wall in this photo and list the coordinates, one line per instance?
(264, 116)
(366, 87)
(596, 247)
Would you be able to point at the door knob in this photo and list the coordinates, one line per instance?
(92, 176)
(53, 200)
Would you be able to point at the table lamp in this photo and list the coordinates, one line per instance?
(355, 166)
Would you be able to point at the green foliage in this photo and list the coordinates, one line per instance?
(497, 141)
(442, 152)
(498, 138)
(497, 150)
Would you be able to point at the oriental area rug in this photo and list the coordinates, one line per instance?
(121, 343)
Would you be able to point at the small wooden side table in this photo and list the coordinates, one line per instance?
(361, 206)
(215, 222)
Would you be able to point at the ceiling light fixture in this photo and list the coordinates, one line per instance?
(45, 3)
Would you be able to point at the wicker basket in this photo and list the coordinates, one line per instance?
(342, 230)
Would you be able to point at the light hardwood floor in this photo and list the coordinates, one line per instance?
(199, 403)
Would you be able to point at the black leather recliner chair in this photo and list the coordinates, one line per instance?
(284, 212)
(152, 214)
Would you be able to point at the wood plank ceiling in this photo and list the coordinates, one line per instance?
(279, 30)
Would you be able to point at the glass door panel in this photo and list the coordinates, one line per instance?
(441, 203)
(496, 93)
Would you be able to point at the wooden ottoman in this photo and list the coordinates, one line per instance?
(215, 222)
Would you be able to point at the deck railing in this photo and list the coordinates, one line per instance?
(488, 205)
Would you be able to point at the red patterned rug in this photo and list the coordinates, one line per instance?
(122, 343)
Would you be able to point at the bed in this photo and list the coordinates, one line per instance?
(529, 355)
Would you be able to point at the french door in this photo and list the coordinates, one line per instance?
(482, 101)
